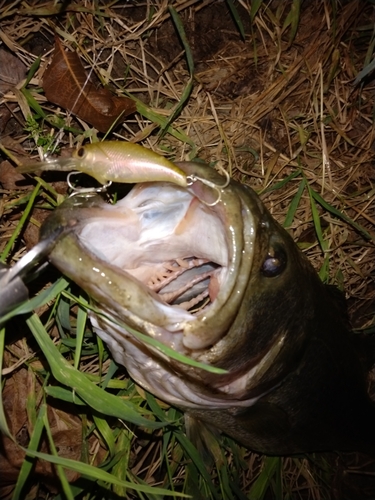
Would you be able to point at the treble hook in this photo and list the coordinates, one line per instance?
(194, 178)
(90, 190)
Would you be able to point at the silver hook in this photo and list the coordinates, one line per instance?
(194, 178)
(89, 190)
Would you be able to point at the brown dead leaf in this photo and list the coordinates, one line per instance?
(12, 70)
(9, 177)
(6, 111)
(31, 232)
(66, 84)
(14, 146)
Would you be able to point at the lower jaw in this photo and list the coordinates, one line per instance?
(154, 372)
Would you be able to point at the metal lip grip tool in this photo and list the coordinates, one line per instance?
(13, 289)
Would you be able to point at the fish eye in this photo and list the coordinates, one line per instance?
(81, 152)
(275, 263)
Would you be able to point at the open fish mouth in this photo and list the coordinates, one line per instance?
(165, 263)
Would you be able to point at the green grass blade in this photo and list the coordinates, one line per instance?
(294, 205)
(31, 101)
(112, 369)
(80, 332)
(106, 432)
(292, 19)
(28, 463)
(54, 121)
(279, 491)
(112, 384)
(20, 223)
(255, 5)
(35, 65)
(59, 469)
(225, 482)
(42, 298)
(170, 352)
(160, 120)
(32, 401)
(18, 201)
(263, 481)
(100, 475)
(237, 18)
(101, 401)
(3, 421)
(316, 220)
(190, 62)
(155, 408)
(101, 353)
(364, 72)
(63, 316)
(324, 270)
(181, 32)
(123, 446)
(192, 485)
(341, 216)
(280, 184)
(64, 394)
(56, 197)
(197, 461)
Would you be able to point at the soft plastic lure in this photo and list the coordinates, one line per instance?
(116, 161)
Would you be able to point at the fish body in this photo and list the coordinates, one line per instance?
(225, 285)
(116, 161)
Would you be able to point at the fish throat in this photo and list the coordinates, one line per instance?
(190, 283)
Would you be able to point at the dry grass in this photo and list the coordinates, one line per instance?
(263, 108)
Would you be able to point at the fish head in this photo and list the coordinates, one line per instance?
(215, 279)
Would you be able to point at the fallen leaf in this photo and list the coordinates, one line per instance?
(5, 114)
(12, 70)
(31, 232)
(9, 177)
(66, 84)
(14, 146)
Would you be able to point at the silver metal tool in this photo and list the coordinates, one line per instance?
(13, 289)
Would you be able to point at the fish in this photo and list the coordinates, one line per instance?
(115, 161)
(225, 285)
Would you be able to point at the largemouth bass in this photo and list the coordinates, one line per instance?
(225, 285)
